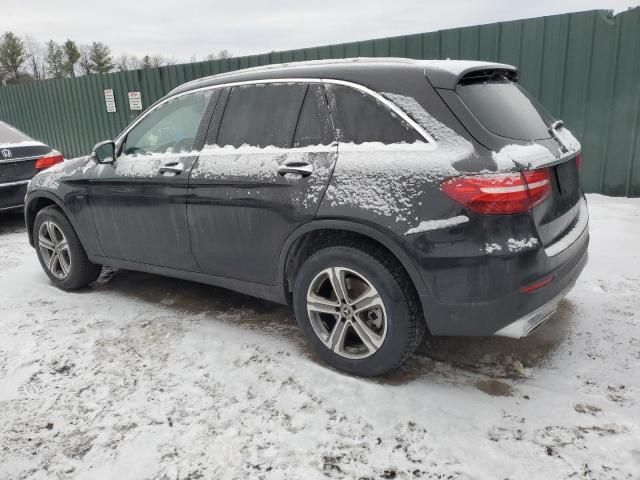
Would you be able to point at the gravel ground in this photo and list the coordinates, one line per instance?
(145, 377)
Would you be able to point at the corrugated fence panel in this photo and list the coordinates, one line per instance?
(583, 67)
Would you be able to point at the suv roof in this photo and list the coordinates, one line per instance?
(441, 73)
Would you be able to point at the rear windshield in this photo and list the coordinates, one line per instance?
(11, 135)
(506, 109)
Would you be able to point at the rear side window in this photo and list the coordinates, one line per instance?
(11, 135)
(261, 115)
(360, 118)
(314, 126)
(506, 109)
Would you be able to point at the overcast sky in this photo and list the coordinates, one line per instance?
(184, 28)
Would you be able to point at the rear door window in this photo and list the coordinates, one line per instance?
(360, 118)
(261, 115)
(506, 109)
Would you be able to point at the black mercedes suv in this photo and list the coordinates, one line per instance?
(381, 198)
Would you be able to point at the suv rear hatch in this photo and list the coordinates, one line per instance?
(503, 117)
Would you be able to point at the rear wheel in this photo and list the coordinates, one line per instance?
(357, 309)
(60, 252)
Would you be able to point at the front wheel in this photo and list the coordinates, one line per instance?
(357, 309)
(60, 252)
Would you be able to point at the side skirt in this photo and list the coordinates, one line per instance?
(272, 293)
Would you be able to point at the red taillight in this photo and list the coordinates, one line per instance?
(579, 161)
(500, 193)
(49, 160)
(537, 285)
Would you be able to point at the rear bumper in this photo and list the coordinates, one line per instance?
(481, 295)
(12, 194)
(529, 322)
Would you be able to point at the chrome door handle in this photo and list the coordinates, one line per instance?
(299, 168)
(171, 168)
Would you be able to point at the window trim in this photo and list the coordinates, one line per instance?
(375, 95)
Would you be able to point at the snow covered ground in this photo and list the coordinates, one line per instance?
(145, 377)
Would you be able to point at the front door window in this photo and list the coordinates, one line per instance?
(170, 128)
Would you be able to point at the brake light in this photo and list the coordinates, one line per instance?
(49, 160)
(579, 161)
(501, 193)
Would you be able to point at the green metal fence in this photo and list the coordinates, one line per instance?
(584, 67)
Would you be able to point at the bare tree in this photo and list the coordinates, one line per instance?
(128, 62)
(36, 57)
(155, 61)
(85, 59)
(221, 55)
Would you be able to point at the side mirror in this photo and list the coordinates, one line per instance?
(104, 152)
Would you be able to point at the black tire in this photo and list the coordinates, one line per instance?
(81, 271)
(405, 325)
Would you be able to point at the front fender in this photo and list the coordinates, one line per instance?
(76, 209)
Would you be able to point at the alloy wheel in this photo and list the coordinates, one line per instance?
(54, 249)
(347, 312)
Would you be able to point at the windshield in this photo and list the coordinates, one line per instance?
(506, 109)
(9, 134)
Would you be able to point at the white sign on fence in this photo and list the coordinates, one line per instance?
(135, 100)
(109, 100)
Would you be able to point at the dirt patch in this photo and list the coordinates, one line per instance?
(495, 388)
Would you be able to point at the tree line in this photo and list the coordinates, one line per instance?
(25, 59)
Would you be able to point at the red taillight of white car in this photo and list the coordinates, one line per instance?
(49, 160)
(500, 193)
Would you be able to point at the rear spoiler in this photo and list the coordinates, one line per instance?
(449, 73)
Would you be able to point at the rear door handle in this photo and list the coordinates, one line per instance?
(171, 168)
(299, 168)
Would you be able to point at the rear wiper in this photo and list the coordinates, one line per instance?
(556, 125)
(553, 131)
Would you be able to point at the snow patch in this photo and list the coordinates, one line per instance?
(148, 377)
(438, 130)
(389, 180)
(492, 247)
(428, 225)
(25, 143)
(51, 177)
(567, 139)
(515, 245)
(260, 164)
(527, 156)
